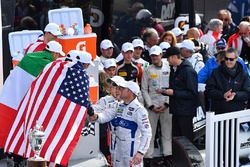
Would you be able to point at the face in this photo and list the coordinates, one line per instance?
(244, 32)
(117, 93)
(112, 88)
(179, 38)
(153, 40)
(171, 60)
(127, 56)
(225, 19)
(219, 29)
(85, 66)
(230, 60)
(107, 52)
(185, 53)
(168, 39)
(137, 52)
(124, 92)
(219, 49)
(111, 71)
(55, 55)
(156, 59)
(50, 37)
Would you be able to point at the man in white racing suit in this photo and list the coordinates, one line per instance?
(110, 102)
(131, 127)
(156, 76)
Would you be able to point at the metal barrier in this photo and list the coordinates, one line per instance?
(227, 139)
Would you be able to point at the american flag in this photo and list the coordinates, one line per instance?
(57, 99)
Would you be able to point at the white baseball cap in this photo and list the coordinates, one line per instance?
(73, 55)
(118, 80)
(164, 45)
(53, 28)
(138, 43)
(109, 63)
(54, 46)
(177, 31)
(105, 44)
(127, 46)
(155, 50)
(188, 44)
(132, 86)
(86, 58)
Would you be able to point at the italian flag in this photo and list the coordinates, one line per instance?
(16, 86)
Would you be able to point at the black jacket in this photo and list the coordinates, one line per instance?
(184, 82)
(220, 82)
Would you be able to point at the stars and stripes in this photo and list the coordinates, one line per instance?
(57, 99)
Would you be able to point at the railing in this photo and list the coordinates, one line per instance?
(227, 138)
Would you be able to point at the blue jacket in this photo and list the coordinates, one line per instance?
(210, 65)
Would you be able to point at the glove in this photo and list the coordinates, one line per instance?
(90, 110)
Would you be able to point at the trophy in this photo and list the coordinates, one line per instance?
(36, 140)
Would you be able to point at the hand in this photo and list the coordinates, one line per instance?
(231, 97)
(137, 159)
(159, 91)
(154, 109)
(93, 117)
(169, 92)
(247, 40)
(161, 108)
(227, 94)
(90, 110)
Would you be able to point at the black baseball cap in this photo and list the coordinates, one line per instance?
(172, 51)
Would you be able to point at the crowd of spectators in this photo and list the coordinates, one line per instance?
(169, 65)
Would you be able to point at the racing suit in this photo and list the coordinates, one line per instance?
(132, 132)
(103, 105)
(197, 61)
(155, 78)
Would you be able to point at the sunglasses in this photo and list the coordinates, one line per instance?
(229, 59)
(224, 19)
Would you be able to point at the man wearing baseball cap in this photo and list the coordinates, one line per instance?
(38, 60)
(51, 32)
(214, 61)
(154, 77)
(187, 48)
(133, 130)
(86, 59)
(104, 104)
(106, 48)
(108, 72)
(182, 92)
(21, 78)
(110, 67)
(138, 50)
(128, 69)
(178, 34)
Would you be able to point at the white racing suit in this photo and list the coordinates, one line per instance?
(158, 78)
(103, 105)
(132, 132)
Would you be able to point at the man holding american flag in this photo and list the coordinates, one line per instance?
(57, 100)
(18, 83)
